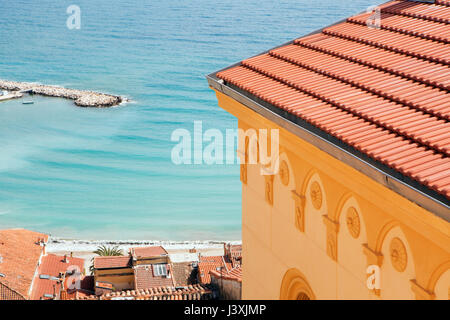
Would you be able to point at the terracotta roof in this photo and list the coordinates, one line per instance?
(112, 262)
(76, 295)
(184, 273)
(234, 274)
(146, 252)
(191, 292)
(8, 294)
(383, 92)
(50, 268)
(212, 263)
(20, 252)
(144, 278)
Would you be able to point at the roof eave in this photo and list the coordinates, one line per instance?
(390, 178)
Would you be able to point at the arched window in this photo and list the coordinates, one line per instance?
(295, 287)
(303, 296)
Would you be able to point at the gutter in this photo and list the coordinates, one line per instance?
(388, 177)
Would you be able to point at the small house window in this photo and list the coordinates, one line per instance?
(159, 270)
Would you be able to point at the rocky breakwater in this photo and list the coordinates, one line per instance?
(81, 98)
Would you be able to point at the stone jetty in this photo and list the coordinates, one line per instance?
(12, 95)
(81, 98)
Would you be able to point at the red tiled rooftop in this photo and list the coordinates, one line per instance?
(383, 91)
(191, 292)
(233, 274)
(212, 259)
(146, 252)
(7, 293)
(112, 262)
(52, 265)
(144, 278)
(212, 263)
(20, 252)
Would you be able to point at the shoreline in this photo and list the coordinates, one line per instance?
(62, 244)
(82, 98)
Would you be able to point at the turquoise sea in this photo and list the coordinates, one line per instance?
(107, 173)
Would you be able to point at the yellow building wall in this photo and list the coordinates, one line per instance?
(121, 279)
(327, 223)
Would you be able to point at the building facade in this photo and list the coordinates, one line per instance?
(358, 207)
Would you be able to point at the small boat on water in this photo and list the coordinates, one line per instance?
(27, 102)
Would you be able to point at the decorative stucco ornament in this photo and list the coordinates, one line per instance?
(284, 173)
(269, 189)
(316, 195)
(399, 257)
(353, 223)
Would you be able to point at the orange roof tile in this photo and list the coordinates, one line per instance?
(8, 294)
(191, 292)
(86, 288)
(234, 274)
(212, 263)
(20, 251)
(110, 262)
(381, 91)
(51, 266)
(146, 252)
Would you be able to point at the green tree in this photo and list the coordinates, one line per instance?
(105, 251)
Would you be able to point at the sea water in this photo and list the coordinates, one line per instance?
(107, 173)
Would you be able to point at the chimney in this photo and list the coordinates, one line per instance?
(62, 277)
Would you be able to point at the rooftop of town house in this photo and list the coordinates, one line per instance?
(112, 262)
(75, 294)
(191, 292)
(147, 277)
(7, 293)
(377, 94)
(20, 251)
(184, 273)
(212, 263)
(234, 274)
(47, 283)
(147, 252)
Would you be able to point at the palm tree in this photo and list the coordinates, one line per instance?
(105, 251)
